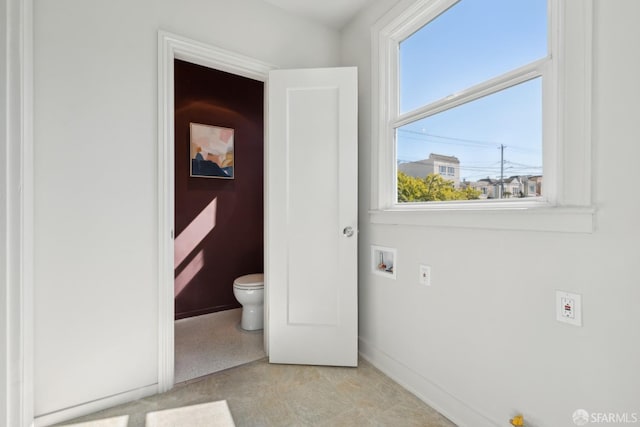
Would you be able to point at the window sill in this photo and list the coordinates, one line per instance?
(513, 216)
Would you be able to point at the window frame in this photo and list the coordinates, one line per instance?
(566, 201)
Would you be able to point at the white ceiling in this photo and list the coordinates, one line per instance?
(332, 13)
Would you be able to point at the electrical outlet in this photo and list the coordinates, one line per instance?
(425, 275)
(569, 308)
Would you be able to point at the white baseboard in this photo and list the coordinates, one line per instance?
(94, 406)
(448, 405)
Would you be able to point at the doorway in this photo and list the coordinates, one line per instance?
(172, 47)
(324, 115)
(219, 215)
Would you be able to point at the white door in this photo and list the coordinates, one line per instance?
(311, 270)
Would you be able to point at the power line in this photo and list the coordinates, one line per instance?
(473, 142)
(523, 165)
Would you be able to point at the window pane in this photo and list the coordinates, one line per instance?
(473, 41)
(471, 139)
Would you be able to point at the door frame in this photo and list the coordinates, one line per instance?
(17, 213)
(171, 47)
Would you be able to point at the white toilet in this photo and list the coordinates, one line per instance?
(249, 291)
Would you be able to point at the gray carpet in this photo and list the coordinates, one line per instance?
(213, 342)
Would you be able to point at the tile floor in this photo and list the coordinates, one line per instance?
(208, 350)
(262, 394)
(213, 342)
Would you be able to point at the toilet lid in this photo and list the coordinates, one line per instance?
(250, 281)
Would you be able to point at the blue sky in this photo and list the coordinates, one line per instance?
(473, 41)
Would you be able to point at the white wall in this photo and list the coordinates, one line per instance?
(4, 221)
(482, 344)
(96, 291)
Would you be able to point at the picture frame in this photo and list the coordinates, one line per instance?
(211, 151)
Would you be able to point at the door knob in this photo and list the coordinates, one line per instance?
(348, 231)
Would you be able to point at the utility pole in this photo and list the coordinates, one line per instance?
(501, 171)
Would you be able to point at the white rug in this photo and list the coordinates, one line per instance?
(213, 342)
(212, 414)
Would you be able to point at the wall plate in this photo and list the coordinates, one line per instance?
(424, 275)
(569, 308)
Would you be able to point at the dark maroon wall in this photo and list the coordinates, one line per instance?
(235, 245)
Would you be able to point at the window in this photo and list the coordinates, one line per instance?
(552, 80)
(470, 86)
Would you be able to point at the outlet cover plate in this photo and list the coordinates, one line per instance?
(569, 308)
(424, 275)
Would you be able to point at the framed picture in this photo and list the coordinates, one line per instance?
(211, 151)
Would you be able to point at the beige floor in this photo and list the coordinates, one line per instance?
(261, 394)
(213, 342)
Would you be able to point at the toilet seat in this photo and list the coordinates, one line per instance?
(249, 282)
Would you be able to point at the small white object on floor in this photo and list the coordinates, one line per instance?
(106, 422)
(212, 414)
